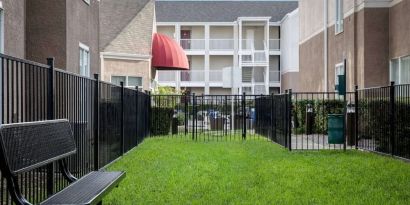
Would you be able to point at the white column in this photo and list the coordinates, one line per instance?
(177, 34)
(207, 59)
(267, 55)
(235, 67)
(238, 76)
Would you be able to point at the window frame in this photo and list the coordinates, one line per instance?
(1, 28)
(400, 67)
(339, 18)
(337, 67)
(86, 49)
(126, 80)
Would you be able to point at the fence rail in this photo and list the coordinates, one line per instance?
(107, 120)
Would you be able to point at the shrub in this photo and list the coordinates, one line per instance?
(161, 118)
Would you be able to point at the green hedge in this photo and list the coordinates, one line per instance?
(161, 118)
(321, 109)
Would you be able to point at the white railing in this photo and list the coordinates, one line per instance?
(192, 76)
(165, 76)
(248, 44)
(274, 44)
(260, 56)
(215, 76)
(274, 76)
(193, 44)
(221, 44)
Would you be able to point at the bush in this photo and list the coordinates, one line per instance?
(161, 118)
(321, 109)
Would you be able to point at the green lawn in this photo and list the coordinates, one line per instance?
(174, 171)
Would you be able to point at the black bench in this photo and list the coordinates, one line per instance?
(27, 146)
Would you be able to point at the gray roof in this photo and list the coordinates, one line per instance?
(220, 11)
(115, 15)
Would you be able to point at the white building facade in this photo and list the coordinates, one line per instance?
(230, 50)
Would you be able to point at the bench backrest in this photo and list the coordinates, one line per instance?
(29, 145)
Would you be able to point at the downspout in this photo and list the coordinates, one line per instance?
(325, 44)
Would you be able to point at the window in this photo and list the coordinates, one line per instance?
(129, 81)
(84, 60)
(1, 30)
(400, 70)
(339, 70)
(339, 17)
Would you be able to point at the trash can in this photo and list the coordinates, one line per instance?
(217, 123)
(309, 119)
(335, 128)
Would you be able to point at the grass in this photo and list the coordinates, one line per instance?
(172, 171)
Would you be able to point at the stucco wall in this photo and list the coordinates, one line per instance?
(290, 80)
(46, 31)
(14, 27)
(126, 68)
(219, 62)
(221, 32)
(82, 26)
(400, 30)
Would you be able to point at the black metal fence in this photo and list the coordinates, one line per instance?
(107, 120)
(384, 120)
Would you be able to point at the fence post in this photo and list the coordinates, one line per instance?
(97, 122)
(244, 115)
(136, 113)
(186, 113)
(290, 119)
(122, 117)
(149, 114)
(193, 115)
(356, 117)
(50, 116)
(272, 117)
(392, 118)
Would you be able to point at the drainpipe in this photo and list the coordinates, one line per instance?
(325, 43)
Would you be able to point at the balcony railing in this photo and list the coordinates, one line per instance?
(221, 44)
(215, 76)
(255, 57)
(274, 44)
(193, 44)
(192, 76)
(167, 76)
(274, 76)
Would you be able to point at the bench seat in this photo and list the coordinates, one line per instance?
(88, 189)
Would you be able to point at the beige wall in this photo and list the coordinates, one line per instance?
(259, 35)
(167, 30)
(219, 62)
(197, 32)
(274, 32)
(400, 30)
(274, 63)
(197, 62)
(127, 68)
(290, 80)
(221, 32)
(14, 27)
(220, 91)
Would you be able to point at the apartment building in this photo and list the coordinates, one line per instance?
(64, 29)
(232, 46)
(126, 30)
(372, 35)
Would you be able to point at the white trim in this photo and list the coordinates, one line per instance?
(2, 28)
(249, 18)
(85, 47)
(125, 56)
(1, 4)
(87, 1)
(196, 23)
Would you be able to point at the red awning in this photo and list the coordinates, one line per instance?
(168, 54)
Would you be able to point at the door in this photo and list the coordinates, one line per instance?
(185, 39)
(250, 38)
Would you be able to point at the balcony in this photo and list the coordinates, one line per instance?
(221, 44)
(215, 76)
(274, 76)
(167, 76)
(193, 44)
(274, 44)
(192, 76)
(255, 58)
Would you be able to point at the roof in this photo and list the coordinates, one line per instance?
(220, 11)
(115, 15)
